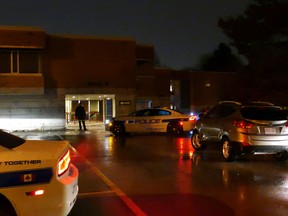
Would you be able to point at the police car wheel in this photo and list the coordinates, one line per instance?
(6, 209)
(281, 156)
(118, 130)
(175, 129)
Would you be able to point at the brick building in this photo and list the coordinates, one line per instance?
(43, 77)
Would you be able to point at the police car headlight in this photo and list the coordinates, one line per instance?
(109, 121)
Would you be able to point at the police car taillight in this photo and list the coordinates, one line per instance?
(64, 163)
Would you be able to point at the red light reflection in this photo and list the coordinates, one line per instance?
(185, 149)
(86, 145)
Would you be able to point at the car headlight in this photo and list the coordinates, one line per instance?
(109, 121)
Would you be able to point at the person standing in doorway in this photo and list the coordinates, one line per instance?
(80, 115)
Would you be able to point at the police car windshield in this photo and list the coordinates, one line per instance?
(10, 141)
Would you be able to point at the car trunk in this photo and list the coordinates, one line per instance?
(266, 125)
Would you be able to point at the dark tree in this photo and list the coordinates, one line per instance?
(222, 59)
(261, 34)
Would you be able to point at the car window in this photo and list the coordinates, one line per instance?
(227, 110)
(141, 113)
(10, 141)
(164, 112)
(154, 112)
(213, 112)
(221, 111)
(263, 113)
(151, 112)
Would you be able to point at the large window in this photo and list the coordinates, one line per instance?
(22, 62)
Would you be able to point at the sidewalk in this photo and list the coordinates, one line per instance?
(71, 129)
(91, 126)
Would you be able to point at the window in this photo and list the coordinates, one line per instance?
(5, 65)
(207, 83)
(214, 112)
(141, 113)
(227, 110)
(24, 61)
(263, 113)
(221, 110)
(164, 112)
(171, 87)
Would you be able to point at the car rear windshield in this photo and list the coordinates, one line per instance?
(10, 141)
(263, 113)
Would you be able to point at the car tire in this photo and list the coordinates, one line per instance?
(195, 142)
(281, 156)
(6, 209)
(118, 129)
(174, 129)
(227, 150)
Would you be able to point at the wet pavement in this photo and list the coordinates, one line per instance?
(71, 130)
(160, 175)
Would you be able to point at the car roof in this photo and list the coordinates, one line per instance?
(250, 103)
(259, 103)
(159, 108)
(230, 102)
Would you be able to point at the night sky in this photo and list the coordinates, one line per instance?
(180, 30)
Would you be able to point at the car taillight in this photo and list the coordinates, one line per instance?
(243, 124)
(64, 163)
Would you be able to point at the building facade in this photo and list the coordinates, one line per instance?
(194, 91)
(43, 77)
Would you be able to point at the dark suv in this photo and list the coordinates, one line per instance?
(253, 128)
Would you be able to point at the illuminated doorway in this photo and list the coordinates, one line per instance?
(98, 107)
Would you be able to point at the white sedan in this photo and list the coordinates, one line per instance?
(152, 120)
(36, 177)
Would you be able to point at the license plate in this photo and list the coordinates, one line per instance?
(270, 130)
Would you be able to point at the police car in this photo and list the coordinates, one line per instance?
(151, 120)
(36, 177)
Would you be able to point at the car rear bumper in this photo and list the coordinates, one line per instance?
(188, 126)
(269, 149)
(58, 198)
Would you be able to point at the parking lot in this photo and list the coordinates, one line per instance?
(160, 175)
